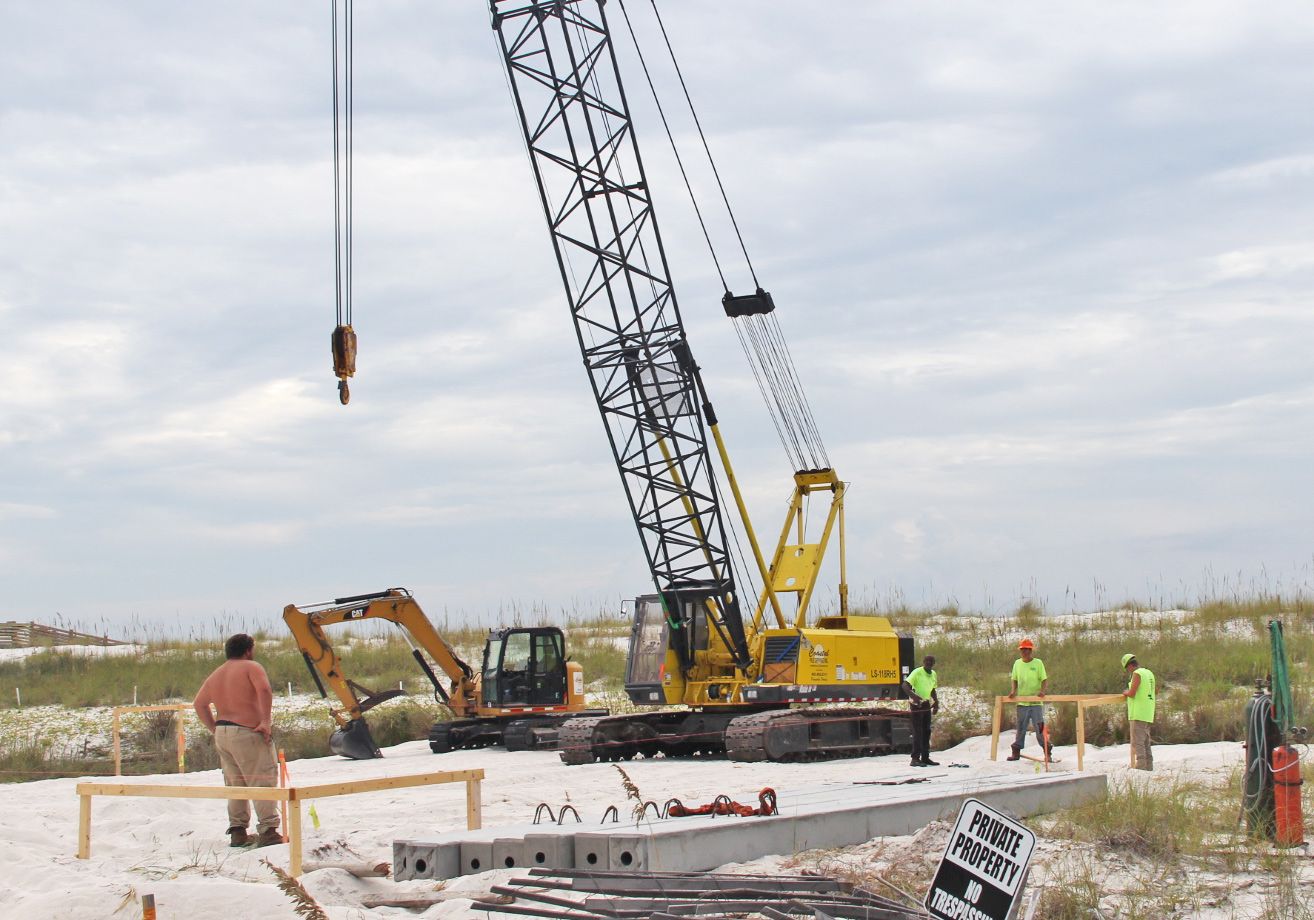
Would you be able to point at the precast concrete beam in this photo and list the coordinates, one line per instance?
(824, 817)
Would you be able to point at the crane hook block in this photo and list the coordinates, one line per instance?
(344, 351)
(344, 359)
(747, 304)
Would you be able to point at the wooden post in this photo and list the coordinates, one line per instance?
(294, 837)
(282, 782)
(84, 827)
(1081, 735)
(994, 728)
(118, 763)
(182, 742)
(474, 803)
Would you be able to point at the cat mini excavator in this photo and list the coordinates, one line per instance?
(524, 691)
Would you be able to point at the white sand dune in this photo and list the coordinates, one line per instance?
(177, 850)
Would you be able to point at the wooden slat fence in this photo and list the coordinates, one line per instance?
(25, 635)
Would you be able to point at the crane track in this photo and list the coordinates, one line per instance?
(755, 737)
(746, 736)
(575, 740)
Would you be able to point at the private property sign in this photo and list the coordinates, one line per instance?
(984, 864)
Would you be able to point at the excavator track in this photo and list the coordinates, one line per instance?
(440, 737)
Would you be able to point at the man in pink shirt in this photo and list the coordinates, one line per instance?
(243, 710)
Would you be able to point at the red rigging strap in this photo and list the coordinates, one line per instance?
(723, 805)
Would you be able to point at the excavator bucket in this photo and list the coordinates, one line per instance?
(354, 741)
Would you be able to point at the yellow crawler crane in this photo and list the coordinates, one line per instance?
(732, 676)
(524, 691)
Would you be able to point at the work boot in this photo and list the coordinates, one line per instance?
(928, 762)
(916, 763)
(269, 837)
(1016, 752)
(238, 837)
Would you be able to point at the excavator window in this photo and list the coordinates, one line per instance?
(507, 668)
(547, 681)
(492, 684)
(525, 667)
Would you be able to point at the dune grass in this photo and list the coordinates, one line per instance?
(1151, 850)
(1206, 661)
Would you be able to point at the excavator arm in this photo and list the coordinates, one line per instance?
(396, 605)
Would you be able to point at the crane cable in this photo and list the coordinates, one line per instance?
(344, 337)
(757, 328)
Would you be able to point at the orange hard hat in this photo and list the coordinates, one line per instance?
(1026, 643)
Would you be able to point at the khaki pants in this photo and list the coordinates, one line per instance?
(248, 760)
(1142, 757)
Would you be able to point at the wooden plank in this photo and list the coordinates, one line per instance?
(84, 827)
(251, 793)
(325, 790)
(474, 803)
(360, 870)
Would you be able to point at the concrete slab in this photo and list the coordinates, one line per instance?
(820, 817)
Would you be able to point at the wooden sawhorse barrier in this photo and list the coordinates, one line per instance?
(293, 795)
(1083, 701)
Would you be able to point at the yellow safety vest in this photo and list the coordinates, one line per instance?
(1140, 708)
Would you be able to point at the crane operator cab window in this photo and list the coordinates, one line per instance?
(525, 667)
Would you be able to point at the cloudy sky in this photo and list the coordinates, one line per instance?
(1045, 270)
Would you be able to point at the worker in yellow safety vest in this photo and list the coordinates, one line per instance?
(1140, 710)
(923, 702)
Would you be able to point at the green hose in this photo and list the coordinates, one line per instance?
(1285, 717)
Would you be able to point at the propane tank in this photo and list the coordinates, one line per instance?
(1257, 789)
(1289, 822)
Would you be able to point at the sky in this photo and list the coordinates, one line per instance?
(1045, 271)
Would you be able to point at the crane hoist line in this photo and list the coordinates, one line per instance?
(343, 340)
(720, 669)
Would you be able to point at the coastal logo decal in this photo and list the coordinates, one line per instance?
(984, 866)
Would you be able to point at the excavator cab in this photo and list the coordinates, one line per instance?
(524, 667)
